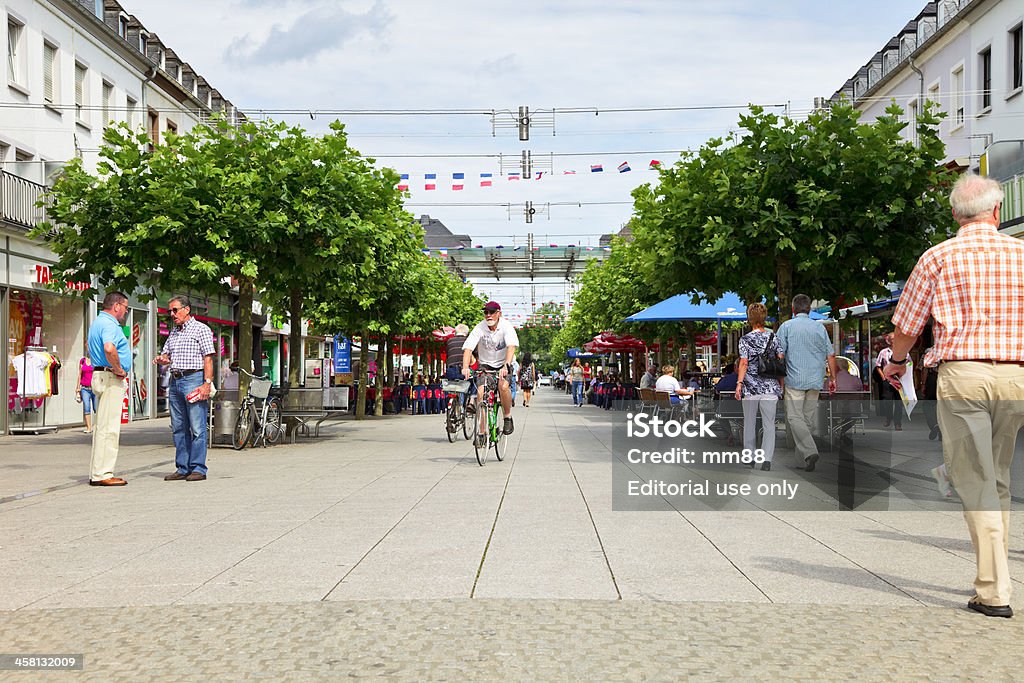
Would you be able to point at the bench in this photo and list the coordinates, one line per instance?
(302, 406)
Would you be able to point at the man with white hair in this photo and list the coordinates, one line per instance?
(973, 286)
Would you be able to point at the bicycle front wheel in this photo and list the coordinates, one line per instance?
(243, 426)
(273, 429)
(467, 429)
(500, 440)
(481, 449)
(451, 423)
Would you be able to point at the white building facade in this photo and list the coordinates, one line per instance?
(71, 68)
(966, 56)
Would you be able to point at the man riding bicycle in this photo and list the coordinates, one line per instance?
(495, 341)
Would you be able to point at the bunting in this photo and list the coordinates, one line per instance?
(487, 179)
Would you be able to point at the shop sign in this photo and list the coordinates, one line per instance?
(41, 275)
(136, 334)
(342, 354)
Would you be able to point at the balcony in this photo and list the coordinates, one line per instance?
(18, 199)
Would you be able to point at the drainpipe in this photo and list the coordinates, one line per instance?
(150, 75)
(920, 76)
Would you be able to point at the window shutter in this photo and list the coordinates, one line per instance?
(49, 58)
(79, 88)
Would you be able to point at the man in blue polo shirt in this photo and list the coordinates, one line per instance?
(111, 358)
(807, 349)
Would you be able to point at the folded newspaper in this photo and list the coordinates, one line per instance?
(907, 392)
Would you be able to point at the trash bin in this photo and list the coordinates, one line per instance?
(225, 414)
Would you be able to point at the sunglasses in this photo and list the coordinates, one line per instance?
(174, 311)
(490, 311)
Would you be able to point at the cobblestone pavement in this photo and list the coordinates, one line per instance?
(457, 640)
(383, 551)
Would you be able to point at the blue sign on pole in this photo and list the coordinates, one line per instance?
(342, 354)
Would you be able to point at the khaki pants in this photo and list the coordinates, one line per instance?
(106, 432)
(980, 411)
(801, 405)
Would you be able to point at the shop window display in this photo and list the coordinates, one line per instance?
(45, 344)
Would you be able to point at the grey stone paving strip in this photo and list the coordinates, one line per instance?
(497, 513)
(83, 481)
(586, 504)
(492, 640)
(689, 521)
(392, 528)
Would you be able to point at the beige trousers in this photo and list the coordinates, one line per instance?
(980, 411)
(801, 405)
(106, 433)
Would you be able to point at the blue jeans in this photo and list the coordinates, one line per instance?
(188, 421)
(88, 400)
(577, 393)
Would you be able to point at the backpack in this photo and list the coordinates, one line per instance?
(768, 362)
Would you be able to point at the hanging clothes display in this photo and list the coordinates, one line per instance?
(35, 375)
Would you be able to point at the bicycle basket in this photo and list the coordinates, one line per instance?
(460, 386)
(260, 388)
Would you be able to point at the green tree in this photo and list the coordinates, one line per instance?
(827, 206)
(538, 334)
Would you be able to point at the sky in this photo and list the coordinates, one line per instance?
(709, 56)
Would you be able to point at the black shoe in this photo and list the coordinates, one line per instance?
(766, 466)
(509, 427)
(810, 461)
(934, 433)
(1004, 611)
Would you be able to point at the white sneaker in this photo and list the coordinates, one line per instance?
(942, 481)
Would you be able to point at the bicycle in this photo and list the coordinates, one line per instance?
(495, 432)
(455, 414)
(258, 424)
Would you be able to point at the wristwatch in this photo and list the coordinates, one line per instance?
(899, 362)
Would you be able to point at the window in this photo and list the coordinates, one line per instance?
(957, 86)
(1016, 51)
(172, 127)
(143, 41)
(132, 110)
(985, 77)
(122, 26)
(51, 87)
(912, 121)
(108, 103)
(154, 129)
(15, 51)
(81, 90)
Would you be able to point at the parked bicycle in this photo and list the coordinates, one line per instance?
(258, 422)
(455, 413)
(494, 436)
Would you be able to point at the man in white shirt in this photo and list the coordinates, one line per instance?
(495, 341)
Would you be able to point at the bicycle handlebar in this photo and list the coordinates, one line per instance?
(252, 376)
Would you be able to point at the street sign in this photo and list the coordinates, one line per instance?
(342, 355)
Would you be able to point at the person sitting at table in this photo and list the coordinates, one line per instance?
(694, 383)
(727, 383)
(667, 382)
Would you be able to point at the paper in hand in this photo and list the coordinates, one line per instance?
(907, 391)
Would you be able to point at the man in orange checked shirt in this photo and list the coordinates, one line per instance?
(973, 285)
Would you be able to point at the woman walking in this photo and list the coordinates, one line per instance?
(85, 395)
(527, 378)
(576, 379)
(754, 391)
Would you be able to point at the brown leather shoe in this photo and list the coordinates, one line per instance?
(112, 481)
(175, 476)
(195, 476)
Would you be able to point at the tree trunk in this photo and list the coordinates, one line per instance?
(245, 359)
(378, 402)
(784, 288)
(364, 372)
(295, 369)
(390, 356)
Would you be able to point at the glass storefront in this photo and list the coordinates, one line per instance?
(215, 311)
(45, 341)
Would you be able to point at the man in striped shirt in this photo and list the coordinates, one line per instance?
(973, 285)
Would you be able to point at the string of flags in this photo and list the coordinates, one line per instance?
(443, 253)
(458, 178)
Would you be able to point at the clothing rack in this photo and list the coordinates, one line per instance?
(25, 429)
